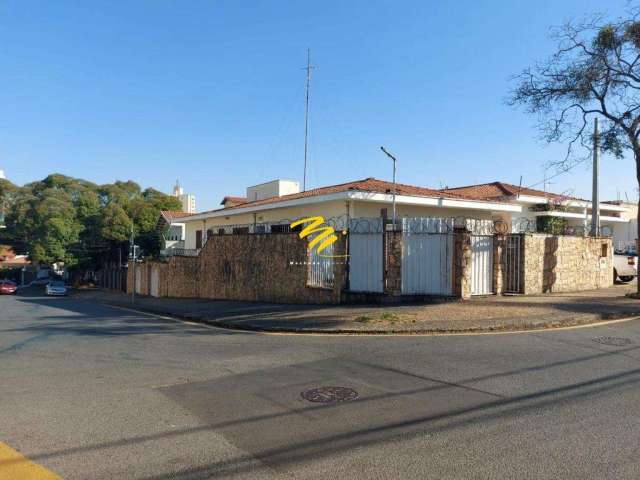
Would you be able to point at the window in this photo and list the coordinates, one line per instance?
(604, 252)
(260, 229)
(221, 231)
(280, 228)
(198, 239)
(209, 233)
(240, 230)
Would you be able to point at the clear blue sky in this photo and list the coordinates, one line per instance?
(212, 92)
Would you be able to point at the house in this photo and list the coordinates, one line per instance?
(574, 213)
(172, 233)
(455, 242)
(625, 234)
(271, 206)
(9, 259)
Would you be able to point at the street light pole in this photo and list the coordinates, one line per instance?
(394, 185)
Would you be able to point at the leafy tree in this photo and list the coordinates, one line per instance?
(71, 220)
(594, 72)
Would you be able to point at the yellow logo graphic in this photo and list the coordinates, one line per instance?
(325, 237)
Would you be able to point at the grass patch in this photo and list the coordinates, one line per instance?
(389, 317)
(363, 318)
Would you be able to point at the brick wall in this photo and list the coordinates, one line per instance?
(566, 263)
(270, 268)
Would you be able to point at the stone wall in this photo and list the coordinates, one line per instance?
(393, 263)
(462, 263)
(566, 263)
(253, 267)
(274, 268)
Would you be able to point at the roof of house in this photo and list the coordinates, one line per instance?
(370, 184)
(500, 190)
(230, 198)
(169, 215)
(8, 257)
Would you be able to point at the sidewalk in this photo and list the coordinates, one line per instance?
(476, 315)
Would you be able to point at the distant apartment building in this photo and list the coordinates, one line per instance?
(188, 201)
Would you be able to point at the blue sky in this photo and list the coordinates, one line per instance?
(212, 92)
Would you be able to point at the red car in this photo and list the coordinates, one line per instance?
(7, 287)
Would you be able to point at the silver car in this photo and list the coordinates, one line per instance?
(56, 287)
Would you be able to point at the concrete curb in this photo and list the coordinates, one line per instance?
(578, 321)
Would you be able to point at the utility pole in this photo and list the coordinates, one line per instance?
(308, 68)
(394, 185)
(132, 254)
(595, 197)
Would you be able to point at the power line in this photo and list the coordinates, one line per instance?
(562, 172)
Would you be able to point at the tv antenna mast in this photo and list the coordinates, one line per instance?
(308, 68)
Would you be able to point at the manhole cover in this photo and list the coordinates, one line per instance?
(615, 341)
(330, 394)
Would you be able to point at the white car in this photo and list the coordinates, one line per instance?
(56, 287)
(625, 266)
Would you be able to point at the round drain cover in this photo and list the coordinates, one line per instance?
(330, 394)
(615, 341)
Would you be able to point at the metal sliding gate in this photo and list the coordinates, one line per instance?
(513, 264)
(427, 256)
(366, 255)
(320, 271)
(481, 264)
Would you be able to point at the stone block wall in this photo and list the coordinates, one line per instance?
(566, 263)
(393, 263)
(251, 267)
(462, 263)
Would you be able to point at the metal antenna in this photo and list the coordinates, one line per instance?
(308, 68)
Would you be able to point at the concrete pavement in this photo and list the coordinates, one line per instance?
(90, 391)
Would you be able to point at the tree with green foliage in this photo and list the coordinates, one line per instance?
(594, 73)
(70, 220)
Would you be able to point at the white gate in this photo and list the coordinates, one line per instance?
(155, 280)
(481, 264)
(320, 272)
(427, 256)
(365, 255)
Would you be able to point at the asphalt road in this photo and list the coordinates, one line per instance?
(94, 392)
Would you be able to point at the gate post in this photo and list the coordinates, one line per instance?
(393, 270)
(462, 263)
(498, 263)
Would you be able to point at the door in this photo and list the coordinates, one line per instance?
(198, 239)
(481, 264)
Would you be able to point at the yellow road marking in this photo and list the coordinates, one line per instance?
(14, 466)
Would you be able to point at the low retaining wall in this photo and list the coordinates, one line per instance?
(566, 263)
(253, 267)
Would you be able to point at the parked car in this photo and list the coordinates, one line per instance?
(625, 266)
(7, 287)
(38, 282)
(56, 287)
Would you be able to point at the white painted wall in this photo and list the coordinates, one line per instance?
(275, 188)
